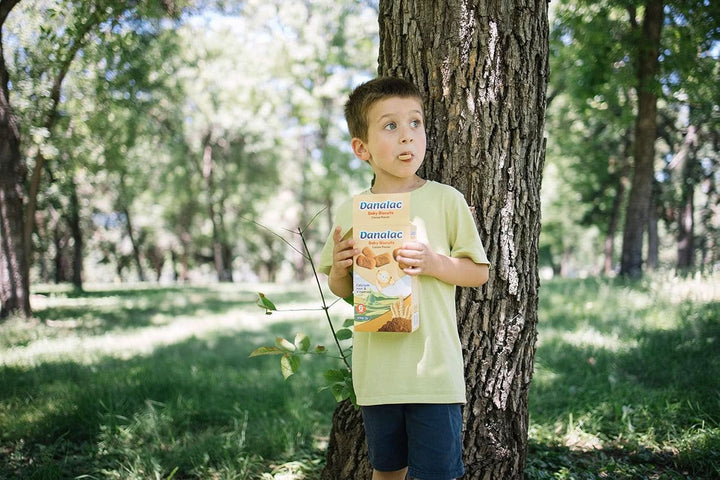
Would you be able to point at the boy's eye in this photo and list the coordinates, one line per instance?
(415, 123)
(390, 126)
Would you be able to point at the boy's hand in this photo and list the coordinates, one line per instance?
(343, 254)
(339, 279)
(422, 260)
(419, 257)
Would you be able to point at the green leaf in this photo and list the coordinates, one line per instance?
(264, 302)
(350, 299)
(335, 376)
(289, 365)
(320, 350)
(349, 322)
(302, 342)
(284, 345)
(344, 334)
(266, 351)
(339, 392)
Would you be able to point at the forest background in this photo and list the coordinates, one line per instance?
(156, 145)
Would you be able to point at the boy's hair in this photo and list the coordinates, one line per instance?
(367, 94)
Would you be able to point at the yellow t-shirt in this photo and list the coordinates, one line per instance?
(424, 366)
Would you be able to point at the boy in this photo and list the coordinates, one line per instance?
(410, 386)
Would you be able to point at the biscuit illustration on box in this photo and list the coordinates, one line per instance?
(385, 296)
(365, 261)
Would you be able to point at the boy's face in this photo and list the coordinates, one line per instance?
(395, 146)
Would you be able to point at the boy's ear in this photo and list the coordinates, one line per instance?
(359, 149)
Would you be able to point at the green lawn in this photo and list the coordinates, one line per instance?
(155, 382)
(627, 380)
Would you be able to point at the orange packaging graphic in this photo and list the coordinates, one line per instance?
(385, 297)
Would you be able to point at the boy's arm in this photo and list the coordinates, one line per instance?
(463, 272)
(341, 285)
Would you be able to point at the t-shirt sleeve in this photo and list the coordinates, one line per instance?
(465, 241)
(325, 262)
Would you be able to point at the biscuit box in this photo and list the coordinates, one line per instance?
(385, 297)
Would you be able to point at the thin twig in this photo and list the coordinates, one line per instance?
(322, 296)
(278, 235)
(302, 232)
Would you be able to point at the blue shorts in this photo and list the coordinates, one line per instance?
(426, 438)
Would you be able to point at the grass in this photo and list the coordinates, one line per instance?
(155, 382)
(627, 380)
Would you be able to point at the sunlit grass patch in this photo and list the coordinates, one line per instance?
(625, 372)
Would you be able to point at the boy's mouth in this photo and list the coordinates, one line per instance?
(405, 156)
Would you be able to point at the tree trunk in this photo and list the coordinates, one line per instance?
(609, 250)
(74, 224)
(645, 135)
(685, 161)
(60, 240)
(347, 457)
(14, 271)
(653, 235)
(137, 256)
(686, 232)
(483, 68)
(221, 251)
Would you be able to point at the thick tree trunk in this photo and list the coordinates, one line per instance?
(347, 457)
(645, 135)
(483, 66)
(14, 272)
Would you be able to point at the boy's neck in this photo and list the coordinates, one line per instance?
(403, 187)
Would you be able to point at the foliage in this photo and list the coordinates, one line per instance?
(257, 85)
(338, 381)
(593, 104)
(262, 83)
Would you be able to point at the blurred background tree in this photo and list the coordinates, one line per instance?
(594, 109)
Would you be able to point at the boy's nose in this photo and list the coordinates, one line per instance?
(406, 138)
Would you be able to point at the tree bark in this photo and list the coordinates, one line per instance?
(14, 271)
(483, 68)
(645, 135)
(347, 457)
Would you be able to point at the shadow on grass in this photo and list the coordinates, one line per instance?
(93, 312)
(647, 411)
(200, 408)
